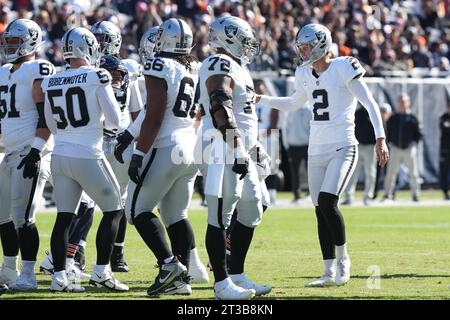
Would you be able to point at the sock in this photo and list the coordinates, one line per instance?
(106, 235)
(10, 239)
(29, 242)
(59, 239)
(71, 250)
(168, 260)
(230, 228)
(215, 245)
(153, 234)
(70, 261)
(118, 249)
(122, 229)
(181, 237)
(325, 238)
(342, 252)
(242, 237)
(82, 244)
(28, 266)
(100, 269)
(335, 221)
(329, 266)
(60, 275)
(194, 256)
(80, 228)
(11, 262)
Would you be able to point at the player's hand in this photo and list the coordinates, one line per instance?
(382, 152)
(133, 170)
(31, 163)
(240, 166)
(123, 141)
(257, 98)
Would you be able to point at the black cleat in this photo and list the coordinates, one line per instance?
(118, 263)
(168, 273)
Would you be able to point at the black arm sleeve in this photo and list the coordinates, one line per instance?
(41, 121)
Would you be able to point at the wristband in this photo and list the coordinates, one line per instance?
(38, 143)
(240, 152)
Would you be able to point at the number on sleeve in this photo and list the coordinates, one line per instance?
(322, 104)
(154, 64)
(224, 64)
(45, 69)
(104, 76)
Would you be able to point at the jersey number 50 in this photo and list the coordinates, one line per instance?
(69, 96)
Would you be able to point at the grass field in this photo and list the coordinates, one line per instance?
(408, 247)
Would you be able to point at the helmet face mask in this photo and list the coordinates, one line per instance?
(236, 37)
(81, 43)
(174, 36)
(119, 75)
(108, 36)
(21, 37)
(147, 43)
(317, 37)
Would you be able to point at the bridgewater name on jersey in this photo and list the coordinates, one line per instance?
(18, 113)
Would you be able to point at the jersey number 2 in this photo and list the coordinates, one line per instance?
(322, 104)
(69, 96)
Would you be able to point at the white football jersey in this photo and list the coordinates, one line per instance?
(75, 107)
(179, 117)
(18, 113)
(243, 95)
(333, 105)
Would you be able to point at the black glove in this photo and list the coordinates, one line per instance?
(133, 170)
(31, 162)
(123, 141)
(240, 166)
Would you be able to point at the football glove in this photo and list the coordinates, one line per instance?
(133, 170)
(123, 141)
(240, 166)
(31, 163)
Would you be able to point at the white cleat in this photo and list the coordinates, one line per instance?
(8, 276)
(343, 271)
(65, 285)
(198, 272)
(242, 281)
(107, 280)
(46, 266)
(25, 282)
(323, 281)
(227, 290)
(178, 287)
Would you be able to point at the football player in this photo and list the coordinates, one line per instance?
(227, 92)
(78, 101)
(162, 169)
(26, 165)
(332, 86)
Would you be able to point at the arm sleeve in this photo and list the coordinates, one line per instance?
(135, 127)
(360, 90)
(109, 106)
(51, 123)
(135, 97)
(293, 102)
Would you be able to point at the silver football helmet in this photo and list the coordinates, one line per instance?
(80, 43)
(318, 37)
(235, 36)
(20, 38)
(174, 36)
(147, 43)
(108, 36)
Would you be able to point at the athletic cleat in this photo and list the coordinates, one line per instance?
(118, 263)
(323, 281)
(3, 288)
(227, 290)
(343, 271)
(25, 282)
(80, 261)
(8, 276)
(168, 273)
(242, 281)
(46, 266)
(178, 287)
(65, 285)
(198, 272)
(108, 281)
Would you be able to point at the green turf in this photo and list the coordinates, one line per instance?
(410, 246)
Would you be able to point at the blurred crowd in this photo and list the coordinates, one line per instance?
(387, 35)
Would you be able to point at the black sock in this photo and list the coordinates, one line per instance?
(29, 242)
(59, 239)
(229, 230)
(82, 208)
(106, 235)
(325, 238)
(215, 245)
(10, 239)
(122, 229)
(152, 232)
(241, 236)
(181, 237)
(328, 206)
(80, 228)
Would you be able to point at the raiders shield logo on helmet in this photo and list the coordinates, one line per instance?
(230, 30)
